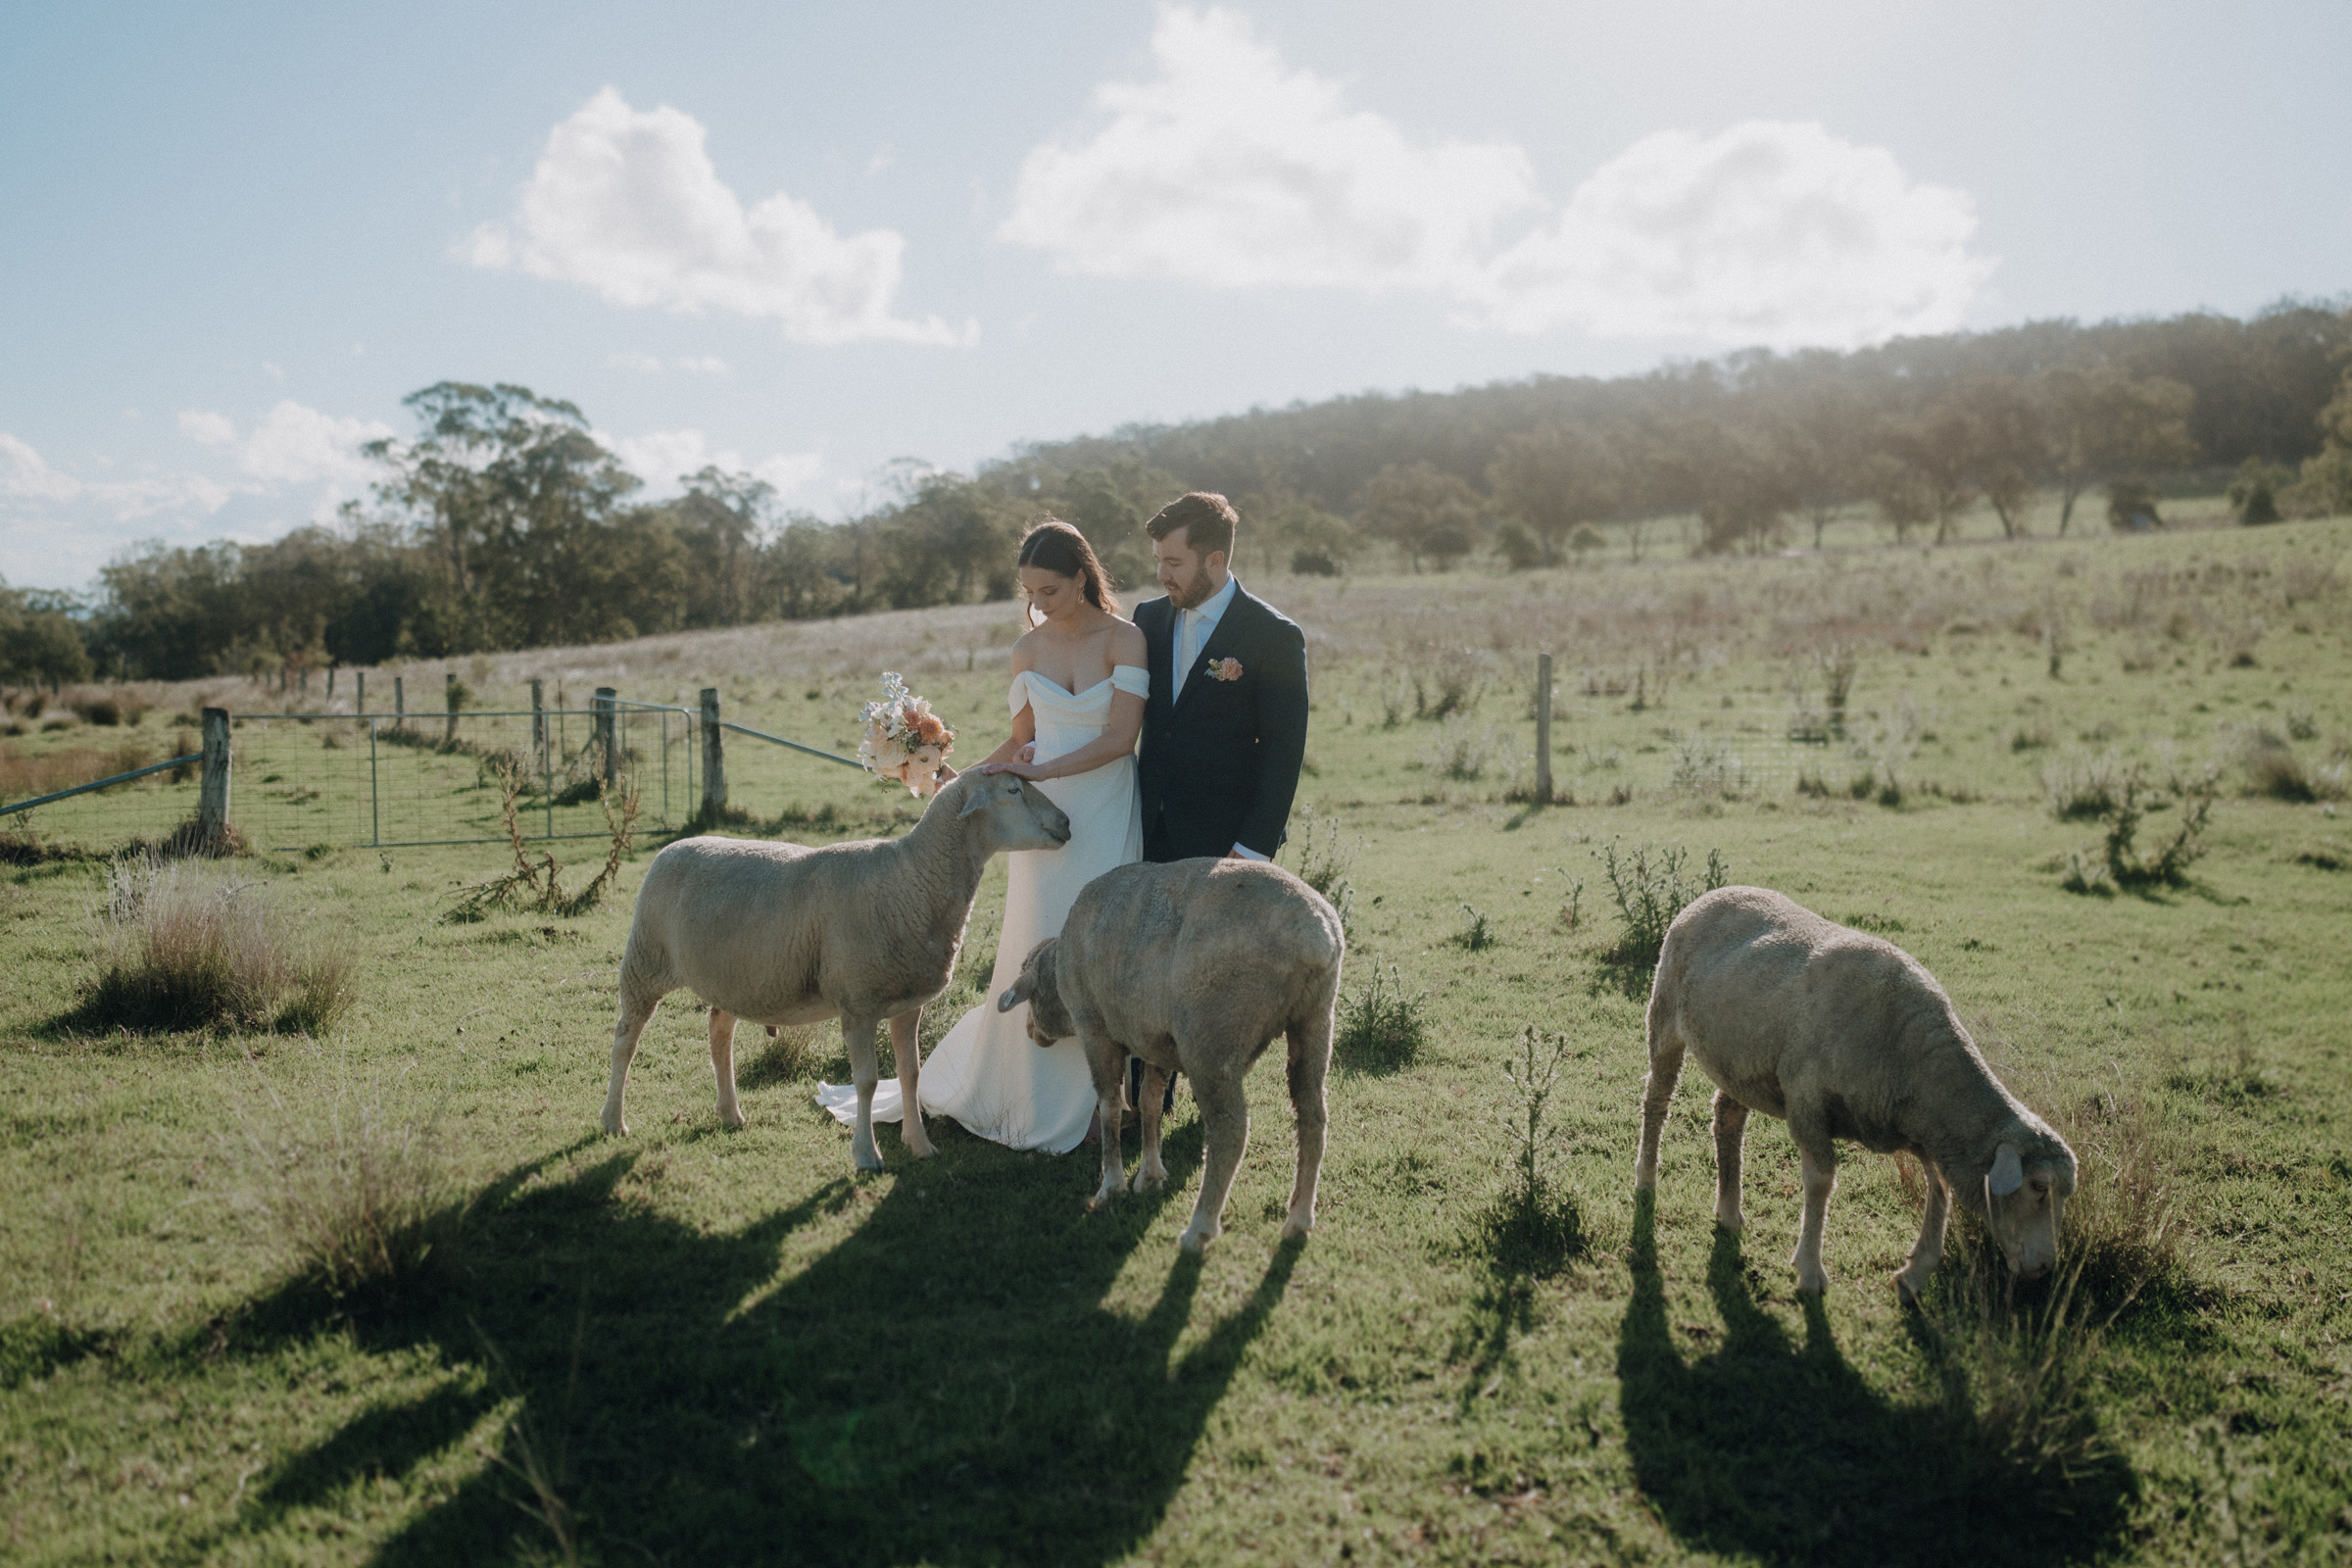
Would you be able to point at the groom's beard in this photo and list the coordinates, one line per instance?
(1189, 594)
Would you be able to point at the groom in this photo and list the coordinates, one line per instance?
(1225, 723)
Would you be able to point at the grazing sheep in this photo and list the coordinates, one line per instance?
(781, 934)
(1193, 967)
(1844, 1036)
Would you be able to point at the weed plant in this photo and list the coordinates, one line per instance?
(1650, 889)
(345, 1171)
(1382, 1025)
(1325, 859)
(1477, 933)
(188, 946)
(1462, 750)
(1536, 1227)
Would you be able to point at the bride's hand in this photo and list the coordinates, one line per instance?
(1023, 770)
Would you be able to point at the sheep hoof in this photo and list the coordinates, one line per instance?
(1192, 1240)
(1816, 1283)
(922, 1151)
(731, 1116)
(1732, 1225)
(1150, 1179)
(1905, 1290)
(1295, 1229)
(866, 1159)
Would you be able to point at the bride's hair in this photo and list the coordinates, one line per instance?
(1056, 546)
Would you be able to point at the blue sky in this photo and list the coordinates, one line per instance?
(808, 240)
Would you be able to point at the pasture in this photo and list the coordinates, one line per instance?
(695, 1345)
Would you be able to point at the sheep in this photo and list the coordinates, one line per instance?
(1844, 1036)
(781, 934)
(1194, 965)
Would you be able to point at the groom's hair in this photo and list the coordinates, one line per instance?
(1207, 517)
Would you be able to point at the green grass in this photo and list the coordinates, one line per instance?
(701, 1346)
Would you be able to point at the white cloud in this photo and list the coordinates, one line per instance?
(1768, 232)
(207, 429)
(291, 445)
(1233, 171)
(661, 458)
(25, 475)
(628, 204)
(701, 365)
(650, 364)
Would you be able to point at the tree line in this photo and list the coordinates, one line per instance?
(502, 524)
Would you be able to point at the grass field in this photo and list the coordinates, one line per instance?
(695, 1345)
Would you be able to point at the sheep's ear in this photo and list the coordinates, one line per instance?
(1014, 995)
(2007, 1175)
(974, 800)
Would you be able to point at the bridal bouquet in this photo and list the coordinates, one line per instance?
(903, 739)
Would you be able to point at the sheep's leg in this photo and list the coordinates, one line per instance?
(1107, 1063)
(1731, 1130)
(1928, 1251)
(1311, 1064)
(722, 1064)
(906, 1044)
(1657, 1092)
(635, 1013)
(1225, 1113)
(1150, 1176)
(857, 1036)
(1819, 1157)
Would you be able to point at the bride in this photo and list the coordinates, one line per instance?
(1079, 679)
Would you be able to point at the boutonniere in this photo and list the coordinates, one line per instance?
(1224, 669)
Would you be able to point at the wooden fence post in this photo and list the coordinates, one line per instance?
(400, 702)
(538, 719)
(449, 689)
(715, 762)
(212, 795)
(604, 703)
(358, 688)
(1543, 729)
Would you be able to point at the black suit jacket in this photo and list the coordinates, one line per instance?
(1220, 764)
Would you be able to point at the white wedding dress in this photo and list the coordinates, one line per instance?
(988, 1073)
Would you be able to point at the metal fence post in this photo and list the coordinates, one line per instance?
(375, 796)
(449, 689)
(1543, 729)
(211, 797)
(714, 761)
(602, 705)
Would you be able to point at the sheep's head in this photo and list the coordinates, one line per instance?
(2024, 1193)
(1049, 1021)
(1018, 815)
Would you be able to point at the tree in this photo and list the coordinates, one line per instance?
(2104, 423)
(1933, 467)
(1422, 509)
(39, 638)
(1555, 477)
(1745, 491)
(2008, 447)
(721, 521)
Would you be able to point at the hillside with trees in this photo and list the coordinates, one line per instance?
(502, 524)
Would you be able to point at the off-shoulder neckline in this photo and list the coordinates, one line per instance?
(1091, 690)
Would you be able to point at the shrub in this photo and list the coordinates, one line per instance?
(2274, 768)
(2083, 786)
(1477, 933)
(538, 885)
(1451, 683)
(2120, 862)
(1324, 859)
(1382, 1026)
(347, 1174)
(187, 946)
(1460, 751)
(1707, 768)
(1314, 564)
(1535, 1228)
(1650, 889)
(1520, 547)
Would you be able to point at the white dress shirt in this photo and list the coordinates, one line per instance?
(1193, 628)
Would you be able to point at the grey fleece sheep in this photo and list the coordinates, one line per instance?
(780, 934)
(1193, 967)
(1844, 1036)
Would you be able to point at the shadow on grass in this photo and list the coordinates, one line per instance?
(1522, 1237)
(945, 1385)
(1781, 1452)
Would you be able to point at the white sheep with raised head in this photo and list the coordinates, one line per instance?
(1193, 967)
(782, 934)
(1844, 1035)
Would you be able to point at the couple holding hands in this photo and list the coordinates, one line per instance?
(1214, 682)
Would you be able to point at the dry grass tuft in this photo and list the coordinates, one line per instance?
(2273, 767)
(347, 1174)
(186, 945)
